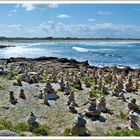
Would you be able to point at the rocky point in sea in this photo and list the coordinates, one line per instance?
(5, 46)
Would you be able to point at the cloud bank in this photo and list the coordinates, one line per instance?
(51, 28)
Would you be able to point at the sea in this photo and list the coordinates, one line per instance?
(98, 53)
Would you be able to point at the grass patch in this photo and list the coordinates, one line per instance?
(1, 87)
(105, 82)
(82, 79)
(15, 74)
(90, 81)
(97, 93)
(76, 85)
(67, 132)
(15, 71)
(6, 124)
(21, 127)
(124, 132)
(42, 130)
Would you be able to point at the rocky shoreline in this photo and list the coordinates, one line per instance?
(5, 46)
(61, 93)
(72, 63)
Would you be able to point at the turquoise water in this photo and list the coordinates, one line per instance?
(99, 53)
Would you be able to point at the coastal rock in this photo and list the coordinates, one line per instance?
(52, 96)
(55, 71)
(1, 68)
(127, 68)
(7, 73)
(85, 63)
(4, 107)
(7, 133)
(26, 133)
(63, 60)
(73, 61)
(45, 58)
(5, 46)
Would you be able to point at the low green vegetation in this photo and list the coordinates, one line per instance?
(67, 132)
(82, 79)
(6, 124)
(15, 74)
(105, 82)
(42, 130)
(1, 87)
(76, 85)
(15, 71)
(90, 81)
(124, 132)
(43, 79)
(97, 93)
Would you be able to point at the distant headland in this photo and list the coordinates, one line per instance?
(60, 38)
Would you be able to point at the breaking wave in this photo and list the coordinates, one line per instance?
(80, 49)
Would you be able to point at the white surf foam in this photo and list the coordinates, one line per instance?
(80, 49)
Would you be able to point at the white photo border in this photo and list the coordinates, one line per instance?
(69, 2)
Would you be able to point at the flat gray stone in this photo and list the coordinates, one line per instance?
(7, 133)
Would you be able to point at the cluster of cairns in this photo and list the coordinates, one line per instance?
(14, 100)
(110, 81)
(47, 94)
(133, 116)
(96, 107)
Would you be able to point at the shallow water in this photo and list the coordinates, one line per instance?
(99, 53)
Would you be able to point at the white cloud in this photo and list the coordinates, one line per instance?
(63, 16)
(52, 28)
(14, 11)
(91, 19)
(17, 6)
(103, 13)
(50, 21)
(53, 5)
(28, 7)
(11, 12)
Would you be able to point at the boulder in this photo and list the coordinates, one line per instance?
(5, 46)
(63, 60)
(7, 133)
(26, 133)
(7, 73)
(4, 107)
(52, 96)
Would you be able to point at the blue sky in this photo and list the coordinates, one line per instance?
(70, 20)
